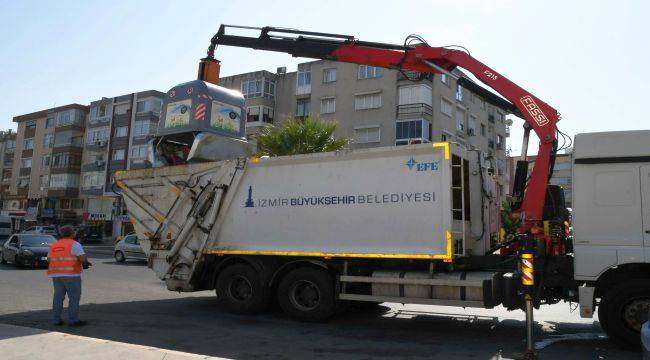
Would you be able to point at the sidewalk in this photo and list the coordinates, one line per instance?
(19, 342)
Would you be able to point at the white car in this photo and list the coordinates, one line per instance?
(129, 248)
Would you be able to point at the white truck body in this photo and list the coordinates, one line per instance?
(375, 203)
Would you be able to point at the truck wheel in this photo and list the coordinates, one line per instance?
(308, 294)
(240, 290)
(623, 310)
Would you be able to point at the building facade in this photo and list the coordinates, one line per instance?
(375, 106)
(46, 165)
(118, 136)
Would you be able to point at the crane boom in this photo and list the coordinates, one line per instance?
(539, 116)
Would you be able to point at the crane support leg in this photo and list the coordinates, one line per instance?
(528, 286)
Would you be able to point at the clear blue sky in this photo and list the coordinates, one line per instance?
(588, 59)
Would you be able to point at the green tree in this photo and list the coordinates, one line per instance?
(300, 137)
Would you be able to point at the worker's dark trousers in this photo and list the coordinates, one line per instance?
(72, 287)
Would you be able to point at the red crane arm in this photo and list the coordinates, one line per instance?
(541, 117)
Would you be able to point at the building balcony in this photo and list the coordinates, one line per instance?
(71, 192)
(10, 150)
(92, 190)
(147, 115)
(96, 145)
(99, 121)
(71, 148)
(69, 127)
(24, 171)
(414, 111)
(99, 165)
(27, 153)
(122, 119)
(65, 169)
(139, 164)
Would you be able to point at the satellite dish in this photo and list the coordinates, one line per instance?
(509, 122)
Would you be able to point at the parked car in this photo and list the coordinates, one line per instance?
(89, 235)
(27, 249)
(129, 248)
(48, 230)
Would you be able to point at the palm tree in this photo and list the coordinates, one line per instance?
(300, 137)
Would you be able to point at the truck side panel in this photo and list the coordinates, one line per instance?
(377, 203)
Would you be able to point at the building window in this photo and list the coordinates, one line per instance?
(98, 111)
(303, 107)
(28, 144)
(139, 152)
(118, 154)
(364, 135)
(327, 105)
(459, 93)
(303, 82)
(367, 101)
(500, 142)
(44, 181)
(30, 125)
(77, 203)
(50, 122)
(121, 131)
(60, 160)
(253, 114)
(471, 127)
(445, 107)
(147, 105)
(269, 88)
(10, 144)
(46, 161)
(444, 79)
(26, 163)
(99, 134)
(48, 141)
(62, 181)
(267, 114)
(23, 181)
(369, 72)
(482, 129)
(141, 128)
(93, 180)
(415, 94)
(329, 75)
(460, 119)
(412, 132)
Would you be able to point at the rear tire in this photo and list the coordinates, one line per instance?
(308, 294)
(119, 257)
(241, 291)
(623, 310)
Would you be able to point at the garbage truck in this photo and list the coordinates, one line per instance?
(417, 224)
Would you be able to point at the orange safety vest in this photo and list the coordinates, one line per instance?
(62, 260)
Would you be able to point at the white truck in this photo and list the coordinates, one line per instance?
(413, 224)
(393, 225)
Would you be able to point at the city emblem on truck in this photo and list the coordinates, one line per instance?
(422, 166)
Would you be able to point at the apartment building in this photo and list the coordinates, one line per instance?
(7, 149)
(377, 107)
(561, 172)
(46, 164)
(118, 134)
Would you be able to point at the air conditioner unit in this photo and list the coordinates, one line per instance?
(281, 70)
(470, 132)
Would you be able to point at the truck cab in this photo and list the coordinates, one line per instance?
(611, 223)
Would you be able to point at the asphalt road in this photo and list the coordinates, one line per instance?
(125, 302)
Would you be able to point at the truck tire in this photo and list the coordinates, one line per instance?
(241, 291)
(308, 294)
(623, 310)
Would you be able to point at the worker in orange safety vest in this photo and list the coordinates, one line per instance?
(66, 259)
